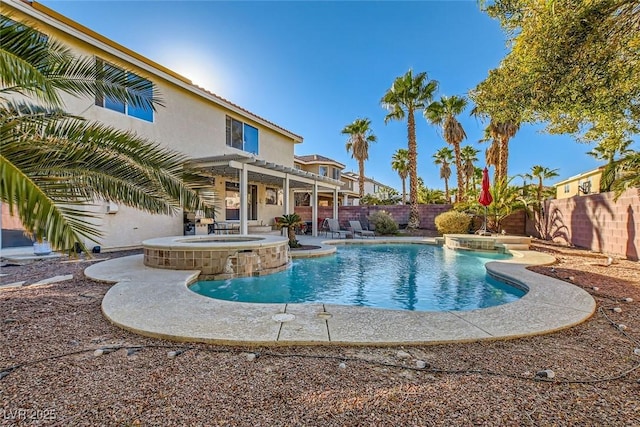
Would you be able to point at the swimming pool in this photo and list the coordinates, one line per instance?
(396, 276)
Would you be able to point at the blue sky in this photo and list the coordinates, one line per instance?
(313, 67)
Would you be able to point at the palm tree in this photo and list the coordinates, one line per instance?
(54, 165)
(443, 113)
(400, 164)
(469, 155)
(443, 157)
(628, 168)
(540, 172)
(502, 132)
(409, 94)
(291, 221)
(608, 151)
(360, 135)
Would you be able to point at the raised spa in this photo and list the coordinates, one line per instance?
(219, 257)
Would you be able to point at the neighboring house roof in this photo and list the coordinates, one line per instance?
(95, 39)
(316, 158)
(580, 176)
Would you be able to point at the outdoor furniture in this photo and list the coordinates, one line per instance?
(357, 229)
(334, 228)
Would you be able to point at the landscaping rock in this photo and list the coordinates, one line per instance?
(402, 355)
(547, 373)
(421, 364)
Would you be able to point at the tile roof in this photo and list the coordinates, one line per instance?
(312, 158)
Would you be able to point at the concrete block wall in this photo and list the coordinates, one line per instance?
(596, 222)
(400, 213)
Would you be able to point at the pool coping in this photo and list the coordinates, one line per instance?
(157, 303)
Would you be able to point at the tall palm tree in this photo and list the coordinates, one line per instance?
(360, 136)
(409, 94)
(400, 164)
(502, 132)
(608, 151)
(469, 155)
(53, 164)
(443, 158)
(541, 173)
(443, 113)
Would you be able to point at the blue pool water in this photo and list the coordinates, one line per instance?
(398, 276)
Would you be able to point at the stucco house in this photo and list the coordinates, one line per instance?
(324, 166)
(580, 185)
(251, 157)
(371, 187)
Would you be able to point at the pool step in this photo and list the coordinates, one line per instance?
(515, 246)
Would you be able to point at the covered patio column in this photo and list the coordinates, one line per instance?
(335, 202)
(244, 209)
(314, 210)
(285, 191)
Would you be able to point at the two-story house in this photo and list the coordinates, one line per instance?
(251, 158)
(324, 166)
(371, 187)
(579, 185)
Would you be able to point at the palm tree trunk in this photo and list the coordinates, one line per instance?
(414, 218)
(540, 194)
(446, 190)
(460, 193)
(404, 191)
(361, 178)
(504, 156)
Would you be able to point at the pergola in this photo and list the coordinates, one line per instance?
(247, 168)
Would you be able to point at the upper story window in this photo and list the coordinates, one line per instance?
(336, 174)
(242, 136)
(323, 170)
(567, 188)
(118, 74)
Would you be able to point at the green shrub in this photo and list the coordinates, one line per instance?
(453, 222)
(383, 222)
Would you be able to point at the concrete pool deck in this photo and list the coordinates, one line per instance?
(157, 303)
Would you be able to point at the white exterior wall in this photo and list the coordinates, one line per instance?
(189, 122)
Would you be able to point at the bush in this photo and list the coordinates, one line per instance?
(383, 222)
(453, 222)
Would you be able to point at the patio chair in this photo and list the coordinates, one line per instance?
(334, 228)
(358, 230)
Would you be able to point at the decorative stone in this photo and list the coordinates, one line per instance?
(617, 309)
(251, 357)
(172, 354)
(402, 355)
(421, 364)
(628, 300)
(622, 327)
(98, 352)
(74, 343)
(636, 351)
(571, 278)
(595, 288)
(342, 365)
(547, 373)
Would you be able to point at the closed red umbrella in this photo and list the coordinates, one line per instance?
(485, 195)
(485, 198)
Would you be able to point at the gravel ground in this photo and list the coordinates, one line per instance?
(49, 334)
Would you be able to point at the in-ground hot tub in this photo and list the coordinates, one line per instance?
(219, 257)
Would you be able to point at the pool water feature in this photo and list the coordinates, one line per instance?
(395, 276)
